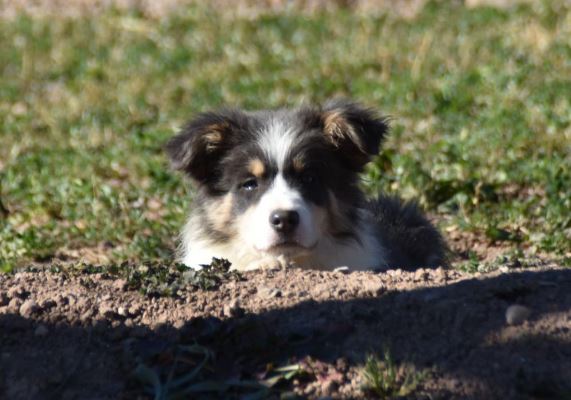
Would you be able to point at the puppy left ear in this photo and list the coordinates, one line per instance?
(356, 131)
(203, 142)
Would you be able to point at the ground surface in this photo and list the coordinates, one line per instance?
(83, 335)
(90, 92)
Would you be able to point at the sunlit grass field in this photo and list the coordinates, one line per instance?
(480, 102)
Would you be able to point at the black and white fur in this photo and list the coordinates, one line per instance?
(282, 186)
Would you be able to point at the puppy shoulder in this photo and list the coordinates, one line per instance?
(411, 240)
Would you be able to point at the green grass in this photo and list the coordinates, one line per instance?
(479, 99)
(387, 380)
(188, 373)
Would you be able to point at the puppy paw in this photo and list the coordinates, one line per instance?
(269, 264)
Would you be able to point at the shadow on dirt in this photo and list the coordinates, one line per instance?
(456, 331)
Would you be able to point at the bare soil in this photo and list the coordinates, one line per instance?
(69, 336)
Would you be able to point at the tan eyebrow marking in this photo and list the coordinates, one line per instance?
(256, 167)
(298, 163)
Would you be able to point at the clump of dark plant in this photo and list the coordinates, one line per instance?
(155, 278)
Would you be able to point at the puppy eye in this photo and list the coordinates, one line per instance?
(308, 178)
(250, 184)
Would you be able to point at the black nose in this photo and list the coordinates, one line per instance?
(284, 221)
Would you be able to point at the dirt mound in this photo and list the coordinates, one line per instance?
(89, 336)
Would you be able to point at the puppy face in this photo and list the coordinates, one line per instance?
(277, 182)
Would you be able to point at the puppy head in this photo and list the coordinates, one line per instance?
(278, 181)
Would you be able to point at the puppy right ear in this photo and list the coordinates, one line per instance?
(354, 130)
(202, 143)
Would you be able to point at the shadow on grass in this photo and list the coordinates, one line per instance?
(458, 332)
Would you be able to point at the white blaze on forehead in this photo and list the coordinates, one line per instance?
(281, 196)
(277, 140)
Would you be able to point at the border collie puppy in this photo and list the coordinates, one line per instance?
(281, 187)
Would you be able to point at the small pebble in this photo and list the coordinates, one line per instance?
(14, 304)
(106, 309)
(47, 304)
(71, 299)
(3, 299)
(41, 330)
(135, 309)
(16, 292)
(440, 275)
(86, 316)
(327, 388)
(83, 303)
(516, 314)
(233, 309)
(120, 284)
(269, 293)
(421, 275)
(28, 308)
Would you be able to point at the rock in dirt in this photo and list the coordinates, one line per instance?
(516, 314)
(41, 330)
(233, 309)
(440, 275)
(120, 284)
(106, 309)
(135, 310)
(85, 317)
(46, 304)
(28, 308)
(328, 387)
(71, 299)
(421, 275)
(3, 299)
(14, 305)
(269, 292)
(17, 291)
